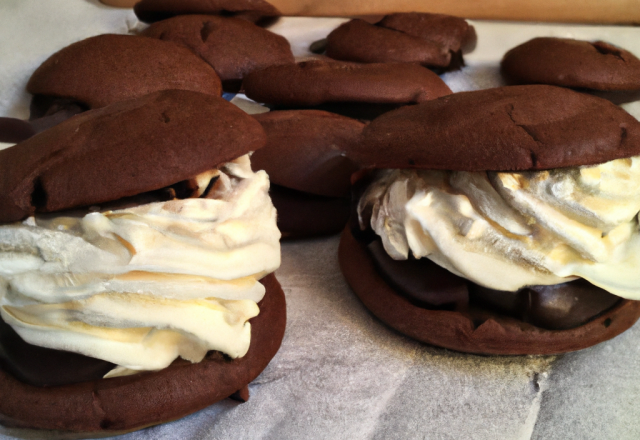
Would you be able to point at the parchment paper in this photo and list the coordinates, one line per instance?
(340, 373)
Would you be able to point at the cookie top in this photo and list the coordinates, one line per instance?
(108, 68)
(307, 150)
(233, 47)
(359, 41)
(155, 10)
(452, 33)
(120, 404)
(122, 150)
(317, 82)
(572, 63)
(432, 40)
(532, 127)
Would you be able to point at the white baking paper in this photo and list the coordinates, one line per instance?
(340, 373)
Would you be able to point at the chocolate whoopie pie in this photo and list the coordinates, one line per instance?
(105, 69)
(584, 65)
(357, 90)
(433, 40)
(501, 221)
(307, 159)
(150, 11)
(114, 221)
(233, 47)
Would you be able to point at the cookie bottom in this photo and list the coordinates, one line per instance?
(492, 334)
(122, 404)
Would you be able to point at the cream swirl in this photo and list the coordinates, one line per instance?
(143, 285)
(509, 230)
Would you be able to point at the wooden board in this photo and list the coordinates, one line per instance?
(569, 11)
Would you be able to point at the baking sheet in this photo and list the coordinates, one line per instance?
(340, 373)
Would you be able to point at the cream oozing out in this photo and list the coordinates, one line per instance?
(143, 285)
(510, 230)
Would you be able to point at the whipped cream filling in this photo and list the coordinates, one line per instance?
(143, 285)
(506, 231)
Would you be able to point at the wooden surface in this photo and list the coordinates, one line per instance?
(570, 11)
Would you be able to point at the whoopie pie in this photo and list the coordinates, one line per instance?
(500, 221)
(137, 251)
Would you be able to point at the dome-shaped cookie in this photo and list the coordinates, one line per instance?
(106, 69)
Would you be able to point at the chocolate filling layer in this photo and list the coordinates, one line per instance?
(556, 307)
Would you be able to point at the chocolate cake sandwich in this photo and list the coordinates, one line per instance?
(598, 67)
(500, 221)
(307, 159)
(356, 90)
(436, 41)
(256, 11)
(105, 69)
(137, 250)
(233, 47)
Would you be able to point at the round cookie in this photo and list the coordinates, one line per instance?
(314, 83)
(539, 126)
(307, 159)
(73, 163)
(107, 68)
(156, 10)
(432, 40)
(572, 63)
(233, 47)
(359, 41)
(121, 404)
(454, 34)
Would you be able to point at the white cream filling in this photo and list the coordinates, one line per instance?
(141, 286)
(510, 230)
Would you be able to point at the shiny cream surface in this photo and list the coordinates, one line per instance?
(510, 230)
(143, 285)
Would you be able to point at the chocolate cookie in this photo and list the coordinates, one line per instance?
(233, 47)
(105, 69)
(116, 405)
(313, 83)
(454, 34)
(532, 127)
(478, 332)
(432, 40)
(308, 150)
(307, 159)
(572, 63)
(156, 10)
(121, 150)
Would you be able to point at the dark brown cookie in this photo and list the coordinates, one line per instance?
(233, 47)
(572, 63)
(316, 82)
(121, 150)
(532, 127)
(302, 215)
(110, 406)
(357, 40)
(155, 10)
(490, 333)
(105, 69)
(307, 150)
(432, 40)
(454, 34)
